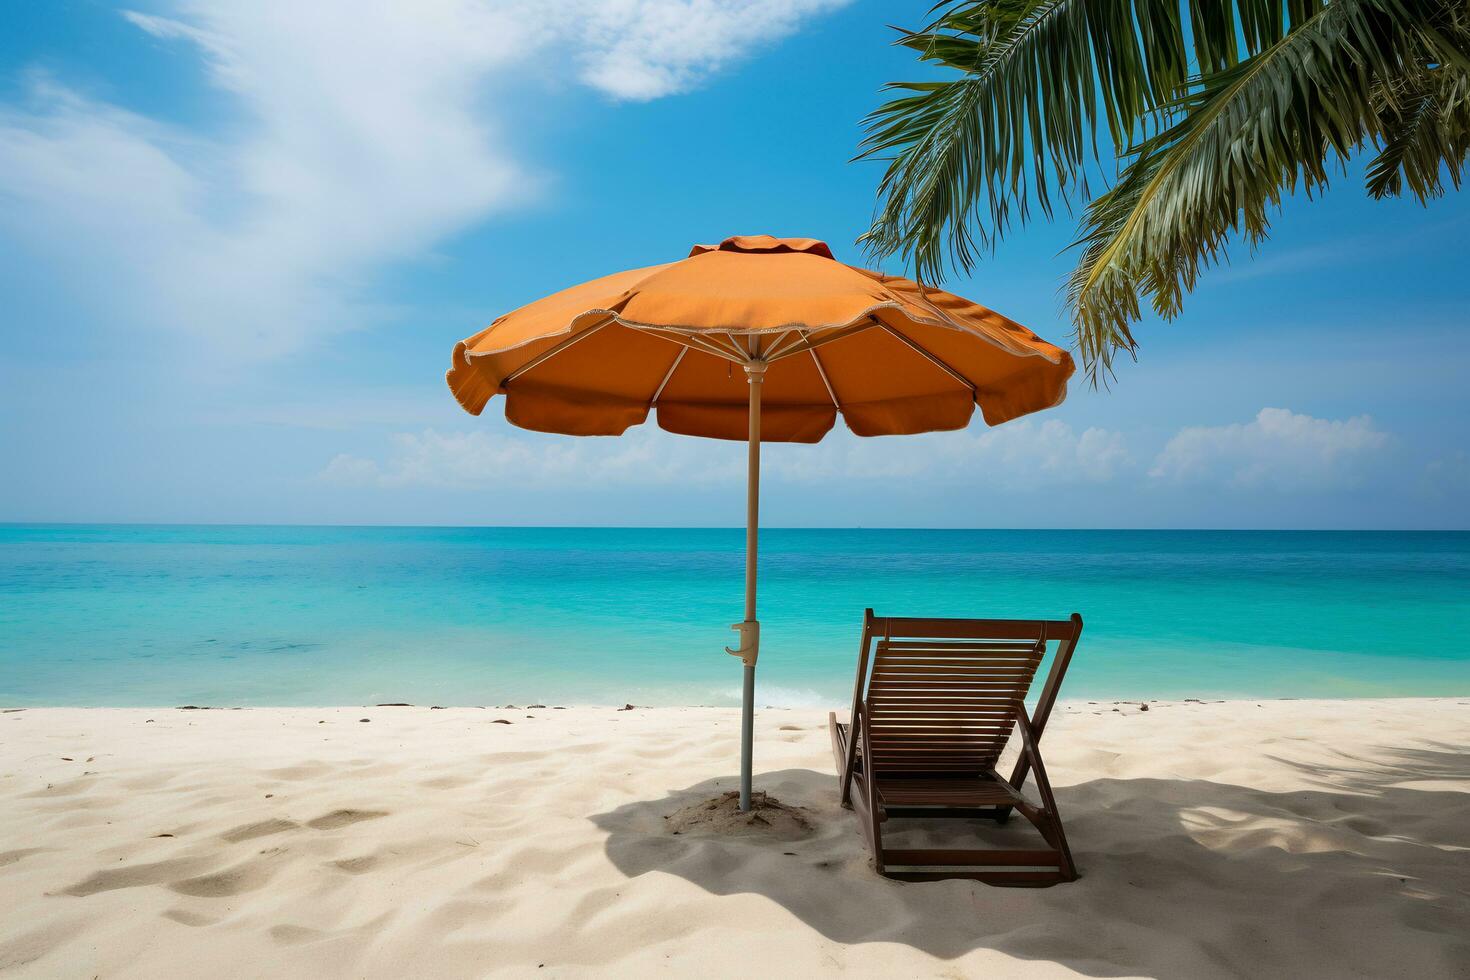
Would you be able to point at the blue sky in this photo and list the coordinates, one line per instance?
(238, 241)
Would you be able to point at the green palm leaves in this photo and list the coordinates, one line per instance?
(1217, 110)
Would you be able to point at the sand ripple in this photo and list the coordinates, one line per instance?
(1224, 839)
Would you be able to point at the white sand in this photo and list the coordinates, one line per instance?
(1281, 839)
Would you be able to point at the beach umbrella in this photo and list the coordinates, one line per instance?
(758, 339)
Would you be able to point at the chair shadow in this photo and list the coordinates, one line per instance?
(1366, 874)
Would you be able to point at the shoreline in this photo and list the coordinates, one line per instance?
(1309, 837)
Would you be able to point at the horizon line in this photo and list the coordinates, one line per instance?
(729, 527)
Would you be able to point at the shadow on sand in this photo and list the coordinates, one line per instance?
(1180, 877)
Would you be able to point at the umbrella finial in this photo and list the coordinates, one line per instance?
(766, 243)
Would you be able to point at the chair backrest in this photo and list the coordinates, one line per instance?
(943, 694)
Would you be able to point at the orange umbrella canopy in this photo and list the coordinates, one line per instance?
(890, 356)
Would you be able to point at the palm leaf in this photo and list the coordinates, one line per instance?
(1242, 139)
(1220, 109)
(1425, 115)
(1021, 124)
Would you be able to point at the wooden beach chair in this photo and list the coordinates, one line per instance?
(928, 726)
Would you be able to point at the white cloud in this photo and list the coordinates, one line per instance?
(366, 133)
(1279, 450)
(643, 49)
(352, 471)
(1020, 455)
(481, 460)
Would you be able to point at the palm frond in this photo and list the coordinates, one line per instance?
(1425, 115)
(1040, 79)
(1239, 141)
(1425, 138)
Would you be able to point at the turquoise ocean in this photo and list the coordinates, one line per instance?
(226, 615)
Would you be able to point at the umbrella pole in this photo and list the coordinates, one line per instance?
(750, 629)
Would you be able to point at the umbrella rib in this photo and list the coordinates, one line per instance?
(708, 345)
(665, 382)
(690, 340)
(744, 355)
(932, 359)
(852, 329)
(823, 374)
(551, 352)
(775, 349)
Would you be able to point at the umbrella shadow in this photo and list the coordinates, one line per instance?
(1368, 873)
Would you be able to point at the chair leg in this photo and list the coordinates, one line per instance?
(1069, 870)
(858, 798)
(840, 754)
(866, 807)
(1032, 753)
(1053, 820)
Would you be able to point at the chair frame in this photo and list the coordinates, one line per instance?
(1034, 867)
